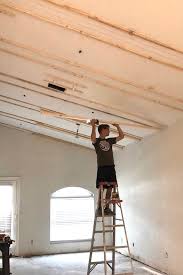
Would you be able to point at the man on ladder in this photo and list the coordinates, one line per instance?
(105, 160)
(106, 179)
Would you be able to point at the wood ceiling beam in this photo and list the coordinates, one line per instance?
(55, 22)
(41, 135)
(114, 26)
(49, 127)
(6, 11)
(102, 108)
(128, 135)
(116, 88)
(44, 125)
(83, 67)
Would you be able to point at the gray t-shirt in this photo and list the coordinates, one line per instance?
(103, 148)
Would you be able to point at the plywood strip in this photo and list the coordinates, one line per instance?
(86, 121)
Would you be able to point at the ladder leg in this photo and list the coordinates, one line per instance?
(102, 201)
(126, 237)
(103, 228)
(93, 234)
(114, 239)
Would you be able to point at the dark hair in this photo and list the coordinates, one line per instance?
(102, 126)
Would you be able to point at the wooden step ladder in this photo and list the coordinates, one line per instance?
(108, 229)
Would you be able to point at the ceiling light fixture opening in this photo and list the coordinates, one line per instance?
(56, 87)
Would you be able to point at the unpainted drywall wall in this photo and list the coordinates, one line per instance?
(44, 166)
(151, 185)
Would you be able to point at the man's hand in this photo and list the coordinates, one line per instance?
(93, 133)
(120, 132)
(94, 122)
(115, 125)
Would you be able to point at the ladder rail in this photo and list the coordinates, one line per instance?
(108, 228)
(114, 240)
(92, 241)
(103, 228)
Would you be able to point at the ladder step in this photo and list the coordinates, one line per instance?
(116, 201)
(117, 221)
(101, 262)
(117, 225)
(106, 231)
(101, 248)
(113, 201)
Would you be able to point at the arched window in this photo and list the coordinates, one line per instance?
(71, 214)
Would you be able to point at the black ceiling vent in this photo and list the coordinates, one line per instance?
(56, 87)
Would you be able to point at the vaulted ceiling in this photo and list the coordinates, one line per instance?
(117, 61)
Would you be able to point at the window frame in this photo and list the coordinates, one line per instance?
(15, 183)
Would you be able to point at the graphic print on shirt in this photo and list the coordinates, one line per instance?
(104, 145)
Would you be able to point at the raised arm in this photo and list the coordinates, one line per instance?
(93, 133)
(120, 132)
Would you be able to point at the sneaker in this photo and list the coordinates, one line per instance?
(115, 196)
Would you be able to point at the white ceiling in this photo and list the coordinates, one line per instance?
(119, 62)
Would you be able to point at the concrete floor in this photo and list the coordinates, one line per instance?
(70, 264)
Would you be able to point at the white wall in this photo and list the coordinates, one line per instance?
(150, 176)
(44, 166)
(151, 184)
